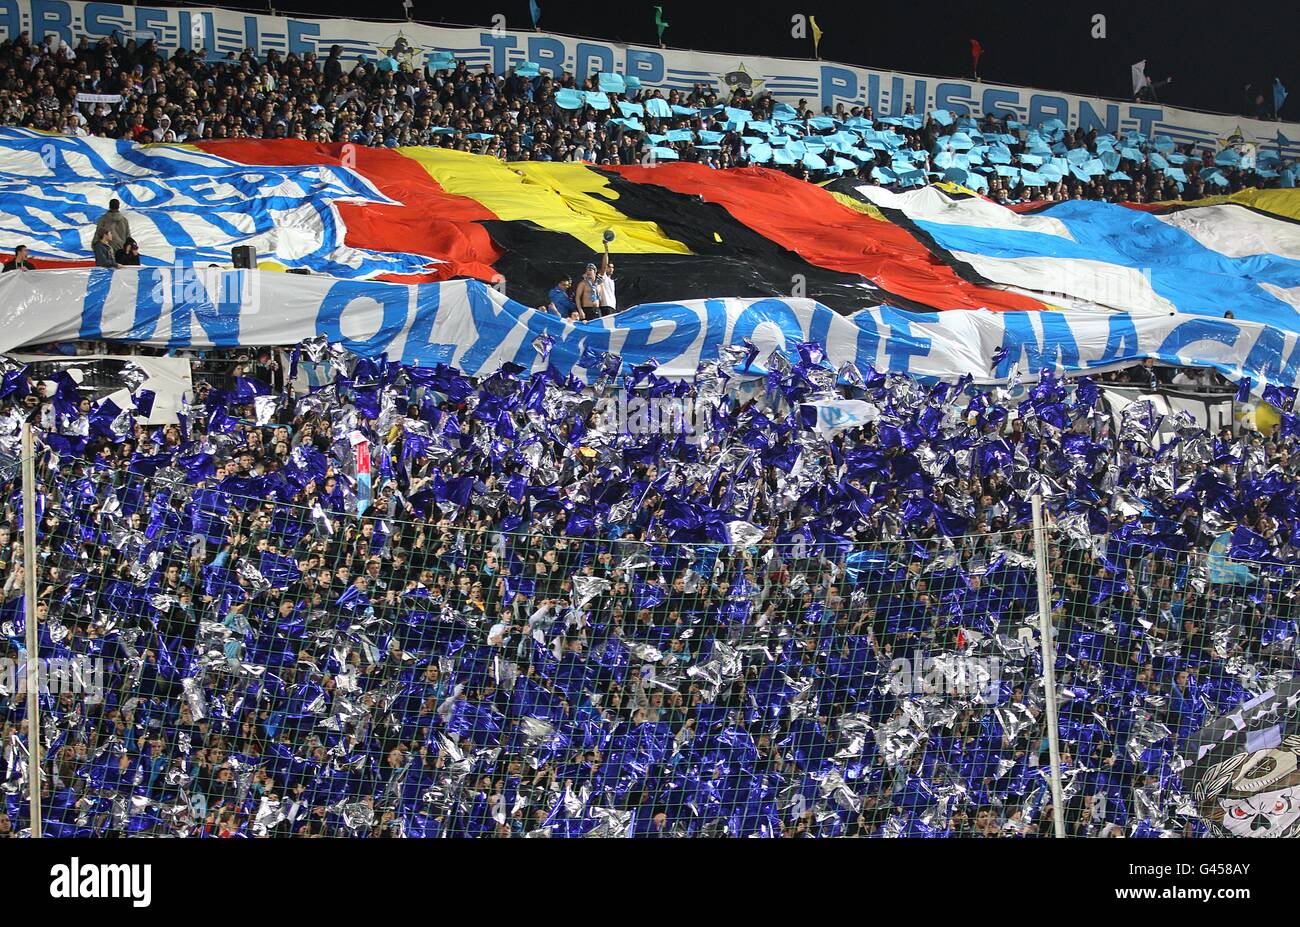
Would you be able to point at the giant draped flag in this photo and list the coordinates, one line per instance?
(681, 230)
(1228, 256)
(424, 214)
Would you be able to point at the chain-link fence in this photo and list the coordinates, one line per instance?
(1159, 642)
(222, 663)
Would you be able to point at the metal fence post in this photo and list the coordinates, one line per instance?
(33, 633)
(1049, 661)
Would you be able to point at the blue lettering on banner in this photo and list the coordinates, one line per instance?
(151, 286)
(715, 334)
(51, 16)
(838, 84)
(499, 44)
(868, 342)
(392, 300)
(102, 19)
(547, 52)
(1121, 341)
(570, 341)
(897, 98)
(145, 21)
(638, 348)
(1019, 340)
(11, 18)
(1145, 117)
(586, 52)
(419, 351)
(1043, 107)
(1088, 118)
(674, 334)
(993, 100)
(219, 320)
(902, 345)
(492, 331)
(775, 311)
(919, 96)
(92, 307)
(833, 415)
(955, 98)
(302, 37)
(646, 66)
(819, 327)
(251, 34)
(1196, 330)
(1265, 358)
(873, 92)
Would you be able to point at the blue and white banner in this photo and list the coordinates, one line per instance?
(471, 326)
(185, 206)
(1202, 260)
(789, 80)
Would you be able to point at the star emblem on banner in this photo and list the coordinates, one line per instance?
(741, 79)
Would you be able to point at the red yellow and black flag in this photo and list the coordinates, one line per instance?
(681, 230)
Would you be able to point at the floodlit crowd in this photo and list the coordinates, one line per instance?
(409, 97)
(415, 604)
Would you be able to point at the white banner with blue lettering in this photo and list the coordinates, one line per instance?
(185, 206)
(824, 83)
(471, 326)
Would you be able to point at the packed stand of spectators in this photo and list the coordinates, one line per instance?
(542, 624)
(401, 99)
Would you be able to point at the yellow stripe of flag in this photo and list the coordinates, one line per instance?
(560, 196)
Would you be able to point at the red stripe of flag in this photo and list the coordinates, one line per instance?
(809, 221)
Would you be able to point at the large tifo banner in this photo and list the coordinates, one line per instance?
(471, 326)
(789, 80)
(679, 230)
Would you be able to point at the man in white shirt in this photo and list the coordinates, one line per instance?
(604, 285)
(1192, 378)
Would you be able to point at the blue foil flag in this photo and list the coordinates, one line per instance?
(1247, 545)
(353, 600)
(15, 384)
(144, 400)
(1283, 397)
(279, 570)
(247, 389)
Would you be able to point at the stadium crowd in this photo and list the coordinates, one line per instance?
(552, 613)
(137, 91)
